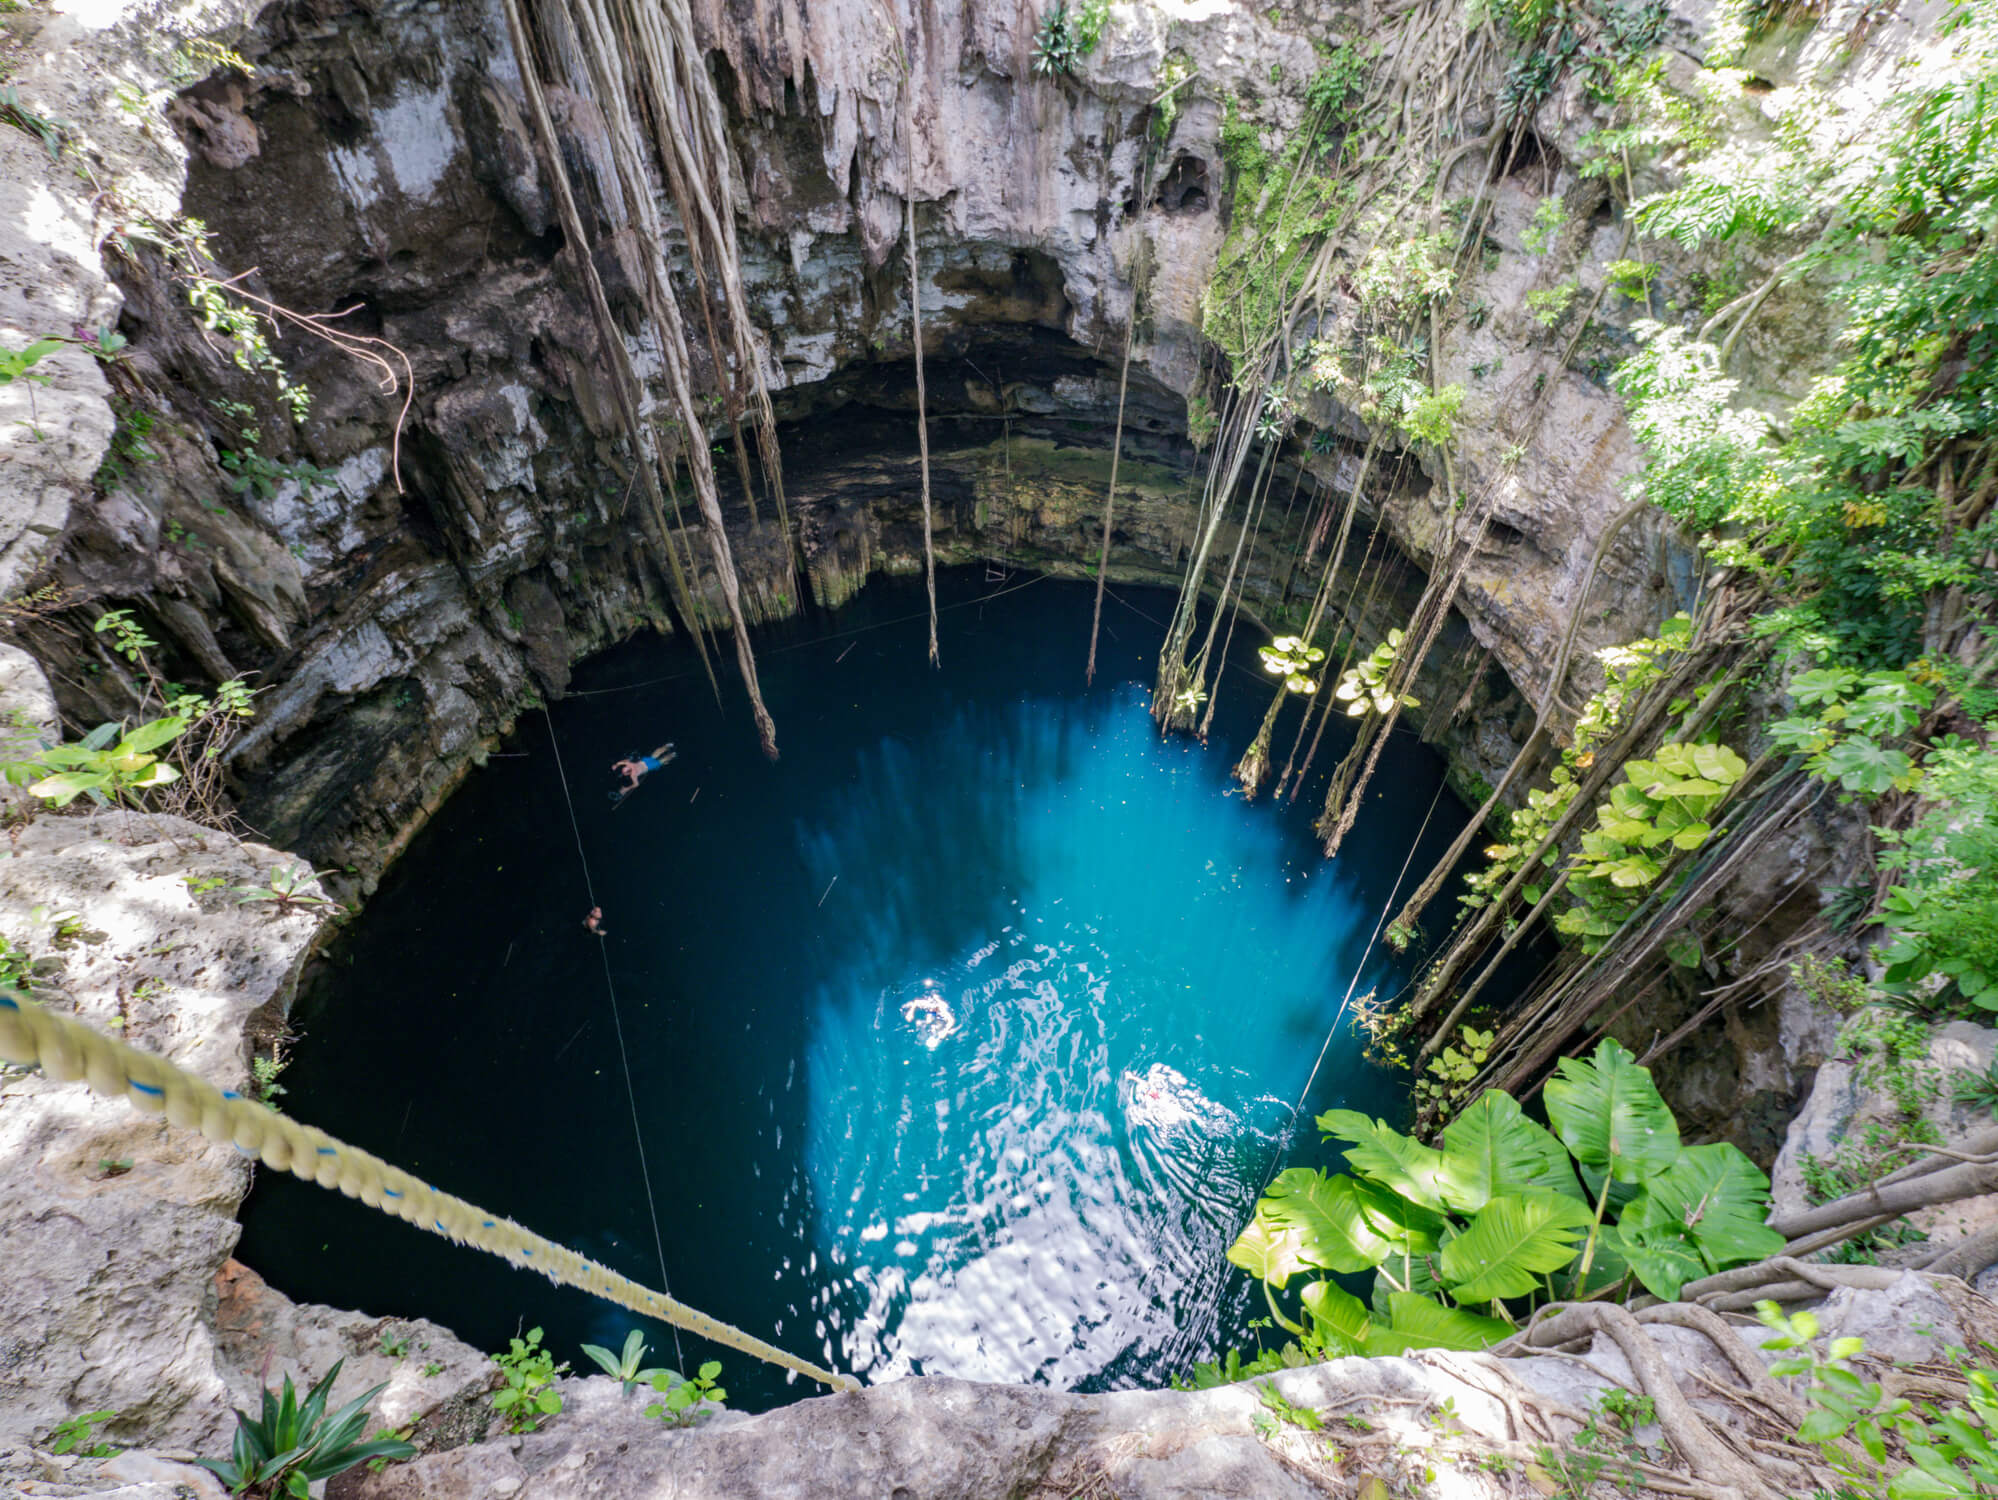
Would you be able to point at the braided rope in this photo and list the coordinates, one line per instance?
(66, 1050)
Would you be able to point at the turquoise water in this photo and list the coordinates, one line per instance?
(962, 1039)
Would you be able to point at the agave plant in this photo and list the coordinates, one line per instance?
(293, 1444)
(1055, 43)
(1503, 1211)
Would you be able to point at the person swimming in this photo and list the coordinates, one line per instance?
(931, 1016)
(635, 768)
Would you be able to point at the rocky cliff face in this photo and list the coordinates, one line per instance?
(402, 594)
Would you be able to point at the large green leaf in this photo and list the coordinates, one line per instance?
(1719, 1197)
(1419, 1323)
(65, 787)
(1403, 1274)
(151, 736)
(1511, 1242)
(1492, 1148)
(1267, 1249)
(1663, 1256)
(1607, 1112)
(1338, 1317)
(1409, 1227)
(1332, 1231)
(1387, 1156)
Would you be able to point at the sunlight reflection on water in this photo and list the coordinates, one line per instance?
(1048, 1189)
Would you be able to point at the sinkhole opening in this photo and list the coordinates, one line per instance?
(961, 1041)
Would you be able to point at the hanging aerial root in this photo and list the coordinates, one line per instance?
(67, 1050)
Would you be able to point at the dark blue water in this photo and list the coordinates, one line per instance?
(963, 1038)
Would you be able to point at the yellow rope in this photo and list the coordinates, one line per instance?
(66, 1049)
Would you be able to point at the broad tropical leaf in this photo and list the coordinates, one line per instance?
(1266, 1249)
(1332, 1232)
(1338, 1317)
(1409, 1227)
(1607, 1112)
(1511, 1242)
(1492, 1148)
(1719, 1197)
(1387, 1156)
(1663, 1256)
(1419, 1323)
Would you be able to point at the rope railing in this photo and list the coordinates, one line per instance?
(67, 1050)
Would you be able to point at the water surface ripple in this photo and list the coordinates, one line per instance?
(963, 1038)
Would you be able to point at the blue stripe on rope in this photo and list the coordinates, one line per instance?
(487, 1225)
(390, 1193)
(145, 1088)
(10, 1004)
(328, 1151)
(230, 1094)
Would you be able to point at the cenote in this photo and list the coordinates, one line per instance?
(1140, 970)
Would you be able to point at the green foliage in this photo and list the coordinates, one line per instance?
(1887, 1447)
(1549, 219)
(1173, 72)
(1977, 1090)
(1364, 687)
(246, 330)
(129, 446)
(1549, 305)
(1496, 1214)
(105, 765)
(284, 888)
(264, 1085)
(252, 473)
(292, 1444)
(14, 112)
(1292, 659)
(682, 1399)
(1451, 1071)
(1661, 807)
(528, 1397)
(16, 364)
(1335, 90)
(74, 1435)
(1605, 1449)
(1433, 417)
(1630, 279)
(1064, 36)
(624, 1367)
(1627, 671)
(1940, 919)
(1201, 422)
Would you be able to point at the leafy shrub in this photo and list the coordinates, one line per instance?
(1364, 687)
(682, 1400)
(528, 1398)
(1497, 1214)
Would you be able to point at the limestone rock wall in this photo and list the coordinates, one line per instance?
(405, 598)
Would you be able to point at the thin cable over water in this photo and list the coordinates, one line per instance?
(624, 1057)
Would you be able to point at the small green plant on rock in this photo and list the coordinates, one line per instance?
(292, 1444)
(74, 1435)
(528, 1397)
(681, 1399)
(1066, 35)
(284, 889)
(624, 1367)
(1549, 305)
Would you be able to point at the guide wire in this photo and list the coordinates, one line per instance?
(1297, 1109)
(617, 1020)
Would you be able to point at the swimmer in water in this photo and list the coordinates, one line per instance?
(931, 1014)
(635, 768)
